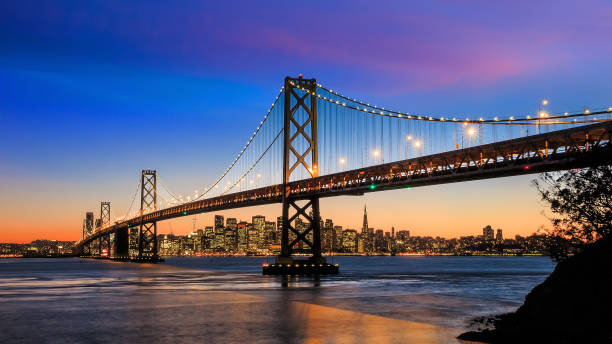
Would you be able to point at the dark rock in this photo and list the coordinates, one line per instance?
(573, 305)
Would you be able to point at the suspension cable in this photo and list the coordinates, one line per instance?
(367, 108)
(132, 203)
(254, 164)
(167, 190)
(245, 147)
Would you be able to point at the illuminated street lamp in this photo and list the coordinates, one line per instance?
(375, 154)
(470, 133)
(541, 114)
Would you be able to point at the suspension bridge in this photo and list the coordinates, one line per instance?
(315, 142)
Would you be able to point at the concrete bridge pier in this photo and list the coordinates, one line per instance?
(122, 244)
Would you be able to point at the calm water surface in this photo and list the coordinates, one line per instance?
(227, 300)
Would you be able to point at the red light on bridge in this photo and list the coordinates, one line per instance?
(526, 167)
(300, 75)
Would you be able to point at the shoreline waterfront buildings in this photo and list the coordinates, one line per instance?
(261, 236)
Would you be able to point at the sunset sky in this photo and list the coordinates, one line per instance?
(91, 92)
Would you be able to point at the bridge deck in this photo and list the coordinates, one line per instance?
(558, 150)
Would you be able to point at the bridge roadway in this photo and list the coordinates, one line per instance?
(559, 150)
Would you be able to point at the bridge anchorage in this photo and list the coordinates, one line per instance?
(300, 123)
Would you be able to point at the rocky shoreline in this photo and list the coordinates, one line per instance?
(573, 305)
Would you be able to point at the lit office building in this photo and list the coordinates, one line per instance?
(259, 224)
(349, 240)
(219, 224)
(242, 236)
(487, 233)
(337, 238)
(133, 246)
(89, 222)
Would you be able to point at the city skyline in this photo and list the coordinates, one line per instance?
(344, 171)
(351, 215)
(90, 82)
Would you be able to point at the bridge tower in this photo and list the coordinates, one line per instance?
(300, 130)
(104, 214)
(147, 236)
(104, 220)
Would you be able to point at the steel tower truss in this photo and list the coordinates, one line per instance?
(300, 150)
(105, 214)
(147, 238)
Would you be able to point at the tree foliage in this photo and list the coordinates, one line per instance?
(581, 201)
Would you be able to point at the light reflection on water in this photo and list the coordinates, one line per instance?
(373, 299)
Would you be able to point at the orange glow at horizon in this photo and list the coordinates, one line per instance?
(450, 210)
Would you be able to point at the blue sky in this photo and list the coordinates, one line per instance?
(93, 92)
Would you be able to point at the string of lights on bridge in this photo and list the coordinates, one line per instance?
(242, 178)
(338, 99)
(514, 120)
(415, 133)
(373, 110)
(176, 200)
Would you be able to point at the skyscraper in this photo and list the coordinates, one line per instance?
(487, 233)
(337, 238)
(269, 233)
(209, 235)
(259, 221)
(403, 236)
(499, 236)
(89, 222)
(349, 240)
(133, 241)
(326, 239)
(242, 236)
(364, 229)
(230, 241)
(252, 237)
(328, 224)
(231, 222)
(279, 228)
(219, 226)
(259, 224)
(378, 240)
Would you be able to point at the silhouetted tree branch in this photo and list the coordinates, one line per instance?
(581, 201)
